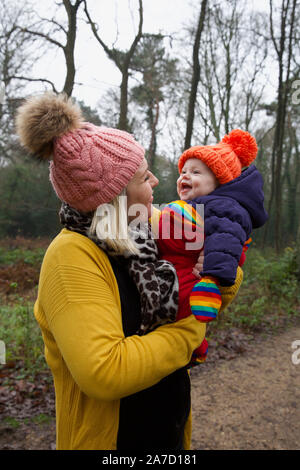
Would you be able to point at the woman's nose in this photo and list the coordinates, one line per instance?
(154, 181)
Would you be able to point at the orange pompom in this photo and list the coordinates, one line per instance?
(243, 144)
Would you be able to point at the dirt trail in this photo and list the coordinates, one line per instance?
(251, 402)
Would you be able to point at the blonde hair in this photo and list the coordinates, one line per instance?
(110, 224)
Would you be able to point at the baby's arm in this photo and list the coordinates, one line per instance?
(227, 227)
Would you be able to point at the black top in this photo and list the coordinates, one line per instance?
(153, 419)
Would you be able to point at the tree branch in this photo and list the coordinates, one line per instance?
(42, 35)
(93, 25)
(78, 3)
(68, 5)
(55, 23)
(16, 77)
(139, 34)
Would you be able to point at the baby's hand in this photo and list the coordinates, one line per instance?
(199, 265)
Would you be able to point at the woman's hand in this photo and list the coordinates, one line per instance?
(199, 265)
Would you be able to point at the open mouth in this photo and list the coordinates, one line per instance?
(185, 187)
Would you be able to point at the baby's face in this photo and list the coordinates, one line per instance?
(195, 180)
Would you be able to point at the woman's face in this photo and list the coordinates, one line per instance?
(140, 191)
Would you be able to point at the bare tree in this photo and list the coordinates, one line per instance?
(68, 47)
(121, 59)
(17, 56)
(232, 60)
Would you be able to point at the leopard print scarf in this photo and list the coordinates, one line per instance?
(156, 280)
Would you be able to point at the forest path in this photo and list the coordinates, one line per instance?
(249, 402)
(252, 401)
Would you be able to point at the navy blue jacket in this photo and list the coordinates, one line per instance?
(230, 213)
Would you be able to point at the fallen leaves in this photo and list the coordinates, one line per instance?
(227, 345)
(24, 398)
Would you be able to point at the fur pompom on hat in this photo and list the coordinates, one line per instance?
(90, 165)
(226, 159)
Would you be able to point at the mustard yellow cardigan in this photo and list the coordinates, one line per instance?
(93, 364)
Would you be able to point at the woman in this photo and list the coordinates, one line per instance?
(114, 389)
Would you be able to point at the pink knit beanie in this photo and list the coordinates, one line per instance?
(90, 164)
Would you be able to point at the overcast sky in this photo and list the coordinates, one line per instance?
(94, 70)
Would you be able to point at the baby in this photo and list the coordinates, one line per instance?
(233, 205)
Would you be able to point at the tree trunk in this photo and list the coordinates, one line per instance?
(70, 45)
(123, 122)
(152, 145)
(294, 187)
(298, 252)
(282, 99)
(195, 77)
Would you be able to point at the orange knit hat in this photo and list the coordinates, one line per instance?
(226, 159)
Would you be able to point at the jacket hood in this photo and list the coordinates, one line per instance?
(247, 190)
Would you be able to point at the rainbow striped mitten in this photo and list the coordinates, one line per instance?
(205, 299)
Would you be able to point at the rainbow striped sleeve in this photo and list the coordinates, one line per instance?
(182, 209)
(205, 300)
